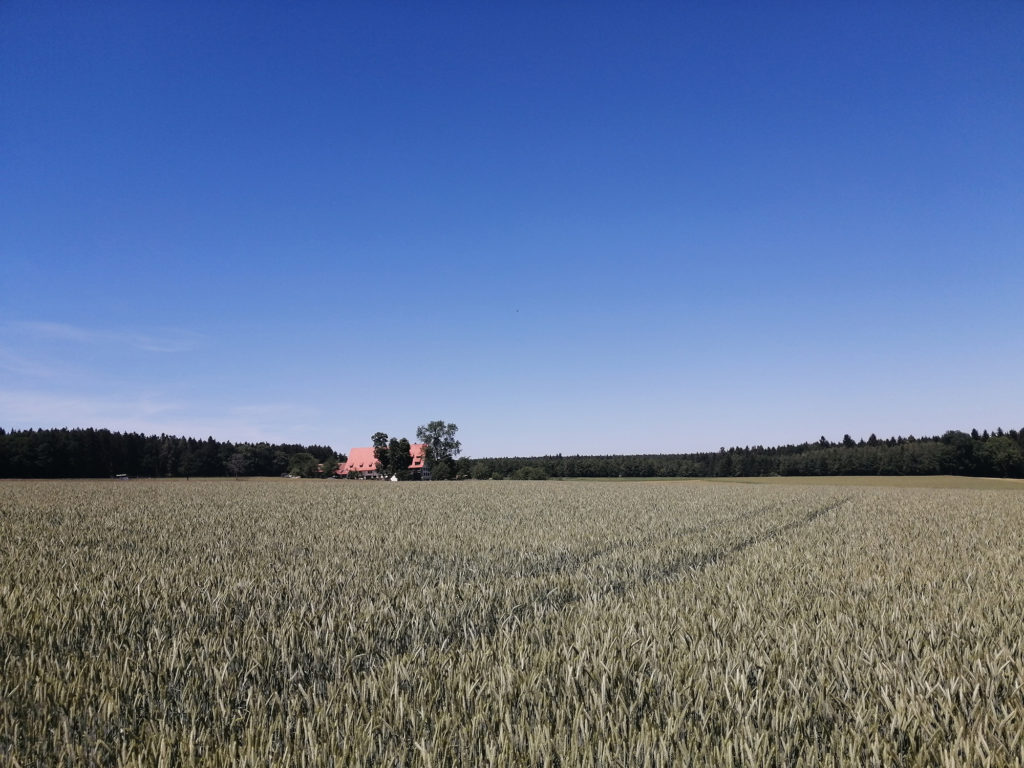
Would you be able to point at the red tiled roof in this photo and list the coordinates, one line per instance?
(364, 460)
(359, 460)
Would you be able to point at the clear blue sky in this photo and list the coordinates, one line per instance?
(566, 227)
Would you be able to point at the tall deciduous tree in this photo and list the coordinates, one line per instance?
(329, 466)
(398, 459)
(380, 451)
(442, 447)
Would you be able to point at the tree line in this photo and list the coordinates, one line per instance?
(55, 453)
(996, 454)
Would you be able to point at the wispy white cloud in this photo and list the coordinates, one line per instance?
(22, 365)
(273, 422)
(153, 340)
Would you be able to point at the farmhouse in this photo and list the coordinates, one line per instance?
(364, 462)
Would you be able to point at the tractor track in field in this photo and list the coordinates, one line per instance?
(712, 558)
(461, 628)
(620, 587)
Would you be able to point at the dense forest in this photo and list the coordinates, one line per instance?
(46, 453)
(999, 454)
(52, 453)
